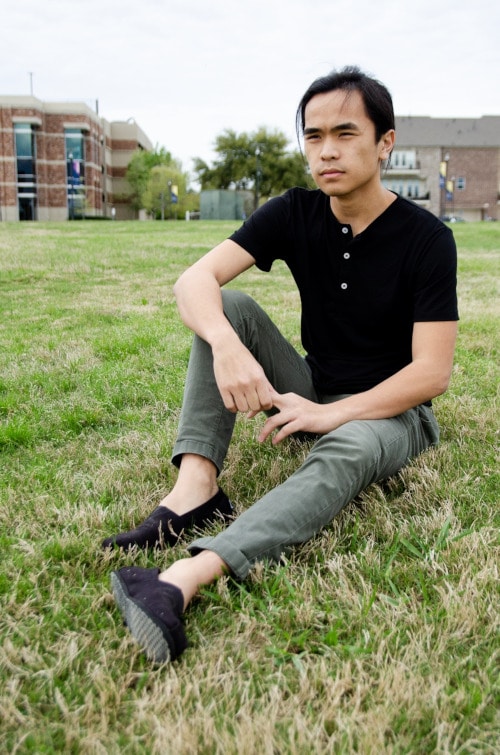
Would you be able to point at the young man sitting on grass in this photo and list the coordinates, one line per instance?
(377, 282)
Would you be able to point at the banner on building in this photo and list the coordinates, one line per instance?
(442, 174)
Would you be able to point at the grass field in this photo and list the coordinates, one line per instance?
(380, 636)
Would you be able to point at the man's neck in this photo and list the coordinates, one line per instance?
(360, 211)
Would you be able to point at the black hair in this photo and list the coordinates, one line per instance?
(376, 97)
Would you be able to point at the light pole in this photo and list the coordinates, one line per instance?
(71, 187)
(443, 170)
(257, 178)
(451, 190)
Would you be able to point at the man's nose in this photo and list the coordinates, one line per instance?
(329, 149)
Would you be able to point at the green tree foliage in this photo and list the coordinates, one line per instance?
(151, 176)
(139, 169)
(165, 192)
(258, 162)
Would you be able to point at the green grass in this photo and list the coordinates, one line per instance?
(379, 636)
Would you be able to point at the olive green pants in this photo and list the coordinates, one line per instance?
(338, 467)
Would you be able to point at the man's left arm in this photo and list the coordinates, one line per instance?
(427, 376)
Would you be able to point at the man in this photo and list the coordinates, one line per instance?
(377, 282)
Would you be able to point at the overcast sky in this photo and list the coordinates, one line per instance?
(185, 70)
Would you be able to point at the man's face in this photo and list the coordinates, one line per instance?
(340, 145)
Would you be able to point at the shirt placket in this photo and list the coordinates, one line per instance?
(345, 266)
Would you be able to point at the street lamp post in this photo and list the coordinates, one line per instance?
(71, 187)
(443, 170)
(257, 177)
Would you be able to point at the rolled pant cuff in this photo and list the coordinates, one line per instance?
(207, 450)
(237, 562)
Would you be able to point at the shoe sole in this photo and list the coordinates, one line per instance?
(141, 625)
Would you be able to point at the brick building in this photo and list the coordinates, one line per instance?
(61, 161)
(449, 165)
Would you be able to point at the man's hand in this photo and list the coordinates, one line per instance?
(242, 382)
(426, 377)
(297, 414)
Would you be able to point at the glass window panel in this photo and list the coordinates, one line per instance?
(24, 144)
(27, 208)
(74, 144)
(25, 167)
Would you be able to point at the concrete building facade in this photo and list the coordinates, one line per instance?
(451, 166)
(62, 161)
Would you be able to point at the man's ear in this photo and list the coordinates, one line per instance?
(387, 142)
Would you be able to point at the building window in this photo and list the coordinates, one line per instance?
(406, 159)
(26, 170)
(460, 183)
(75, 171)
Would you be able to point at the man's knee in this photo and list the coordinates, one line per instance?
(243, 313)
(236, 302)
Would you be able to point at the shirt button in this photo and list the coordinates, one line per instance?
(345, 229)
(346, 255)
(343, 286)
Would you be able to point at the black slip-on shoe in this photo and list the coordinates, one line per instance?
(152, 611)
(129, 582)
(164, 527)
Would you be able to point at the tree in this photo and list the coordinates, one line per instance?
(140, 168)
(258, 161)
(165, 192)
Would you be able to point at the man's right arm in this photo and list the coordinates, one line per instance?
(241, 380)
(198, 289)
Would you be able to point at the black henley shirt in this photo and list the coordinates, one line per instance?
(360, 295)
